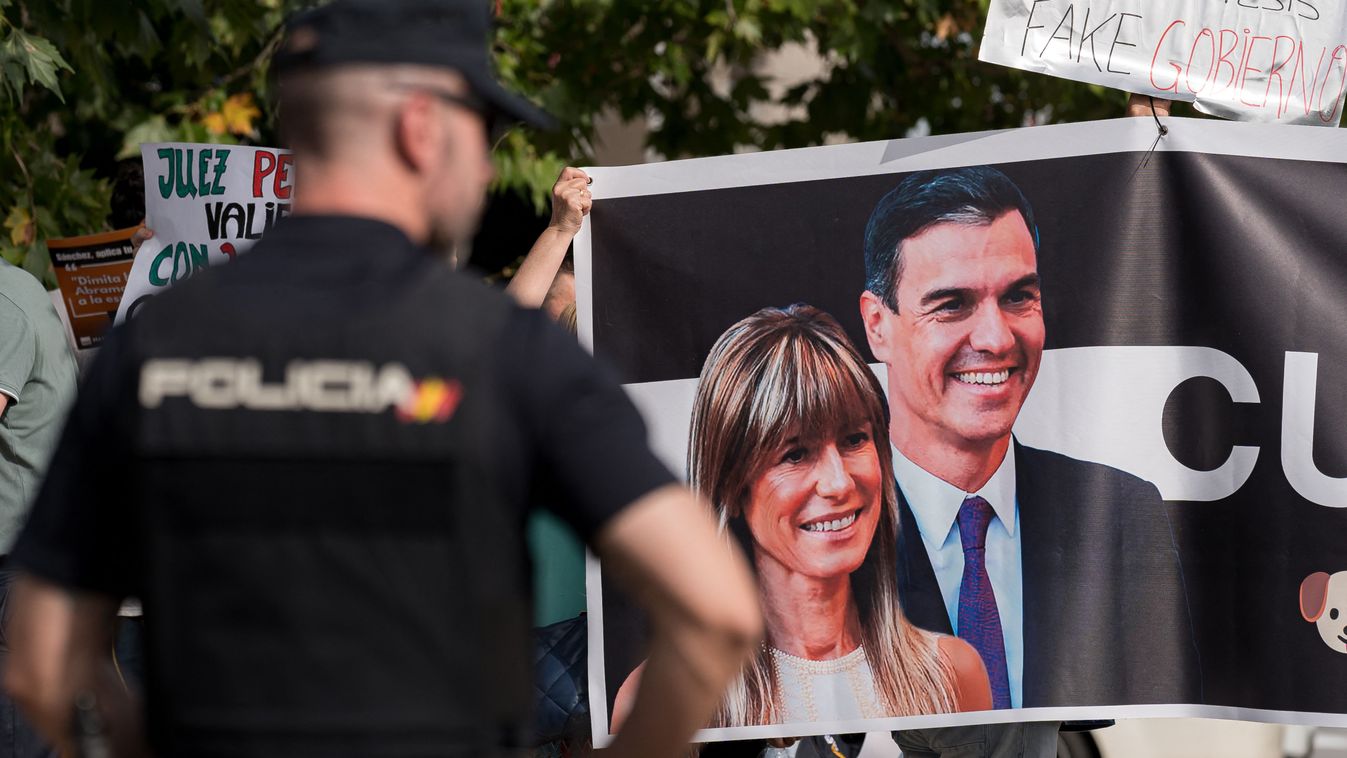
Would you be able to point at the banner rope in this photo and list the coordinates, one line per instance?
(1161, 131)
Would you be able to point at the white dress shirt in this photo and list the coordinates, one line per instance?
(935, 503)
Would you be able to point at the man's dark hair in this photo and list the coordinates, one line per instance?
(128, 195)
(972, 195)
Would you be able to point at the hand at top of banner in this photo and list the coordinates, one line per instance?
(142, 234)
(1142, 105)
(571, 200)
(531, 284)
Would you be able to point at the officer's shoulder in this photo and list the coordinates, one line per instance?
(183, 296)
(463, 284)
(458, 297)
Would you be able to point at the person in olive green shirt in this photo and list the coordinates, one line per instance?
(37, 387)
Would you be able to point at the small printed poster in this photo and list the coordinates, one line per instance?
(91, 272)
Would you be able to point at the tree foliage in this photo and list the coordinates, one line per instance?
(84, 82)
(692, 68)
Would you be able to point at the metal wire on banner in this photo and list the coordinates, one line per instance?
(1159, 126)
(1161, 131)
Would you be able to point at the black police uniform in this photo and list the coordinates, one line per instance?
(313, 466)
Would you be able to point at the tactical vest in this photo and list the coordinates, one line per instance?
(330, 558)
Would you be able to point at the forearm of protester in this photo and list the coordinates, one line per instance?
(703, 610)
(571, 202)
(60, 645)
(1142, 105)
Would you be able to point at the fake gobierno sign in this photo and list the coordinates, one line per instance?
(1250, 60)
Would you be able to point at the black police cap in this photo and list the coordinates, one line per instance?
(439, 33)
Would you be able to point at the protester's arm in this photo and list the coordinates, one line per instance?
(570, 202)
(59, 644)
(1141, 105)
(703, 610)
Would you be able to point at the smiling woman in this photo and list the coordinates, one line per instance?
(788, 444)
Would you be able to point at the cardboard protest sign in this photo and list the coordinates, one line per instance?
(1249, 60)
(91, 272)
(206, 204)
(1123, 352)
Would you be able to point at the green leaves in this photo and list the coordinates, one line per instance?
(153, 70)
(28, 59)
(522, 168)
(153, 129)
(38, 263)
(689, 77)
(43, 195)
(20, 226)
(701, 76)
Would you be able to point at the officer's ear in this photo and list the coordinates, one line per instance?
(419, 133)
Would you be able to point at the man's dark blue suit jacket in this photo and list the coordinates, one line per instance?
(1106, 618)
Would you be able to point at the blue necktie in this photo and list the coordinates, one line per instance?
(979, 619)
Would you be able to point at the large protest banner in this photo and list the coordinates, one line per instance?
(91, 272)
(1253, 60)
(1164, 534)
(206, 204)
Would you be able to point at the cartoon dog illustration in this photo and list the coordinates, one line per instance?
(1323, 600)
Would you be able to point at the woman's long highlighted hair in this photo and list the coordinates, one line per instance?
(783, 373)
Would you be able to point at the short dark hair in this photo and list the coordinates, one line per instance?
(971, 195)
(303, 108)
(128, 194)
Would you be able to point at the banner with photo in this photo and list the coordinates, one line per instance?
(1059, 393)
(206, 204)
(1250, 60)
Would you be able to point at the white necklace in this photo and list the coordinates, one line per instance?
(804, 671)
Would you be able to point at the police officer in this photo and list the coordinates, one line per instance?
(312, 464)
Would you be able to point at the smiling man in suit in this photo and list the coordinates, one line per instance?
(1063, 574)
